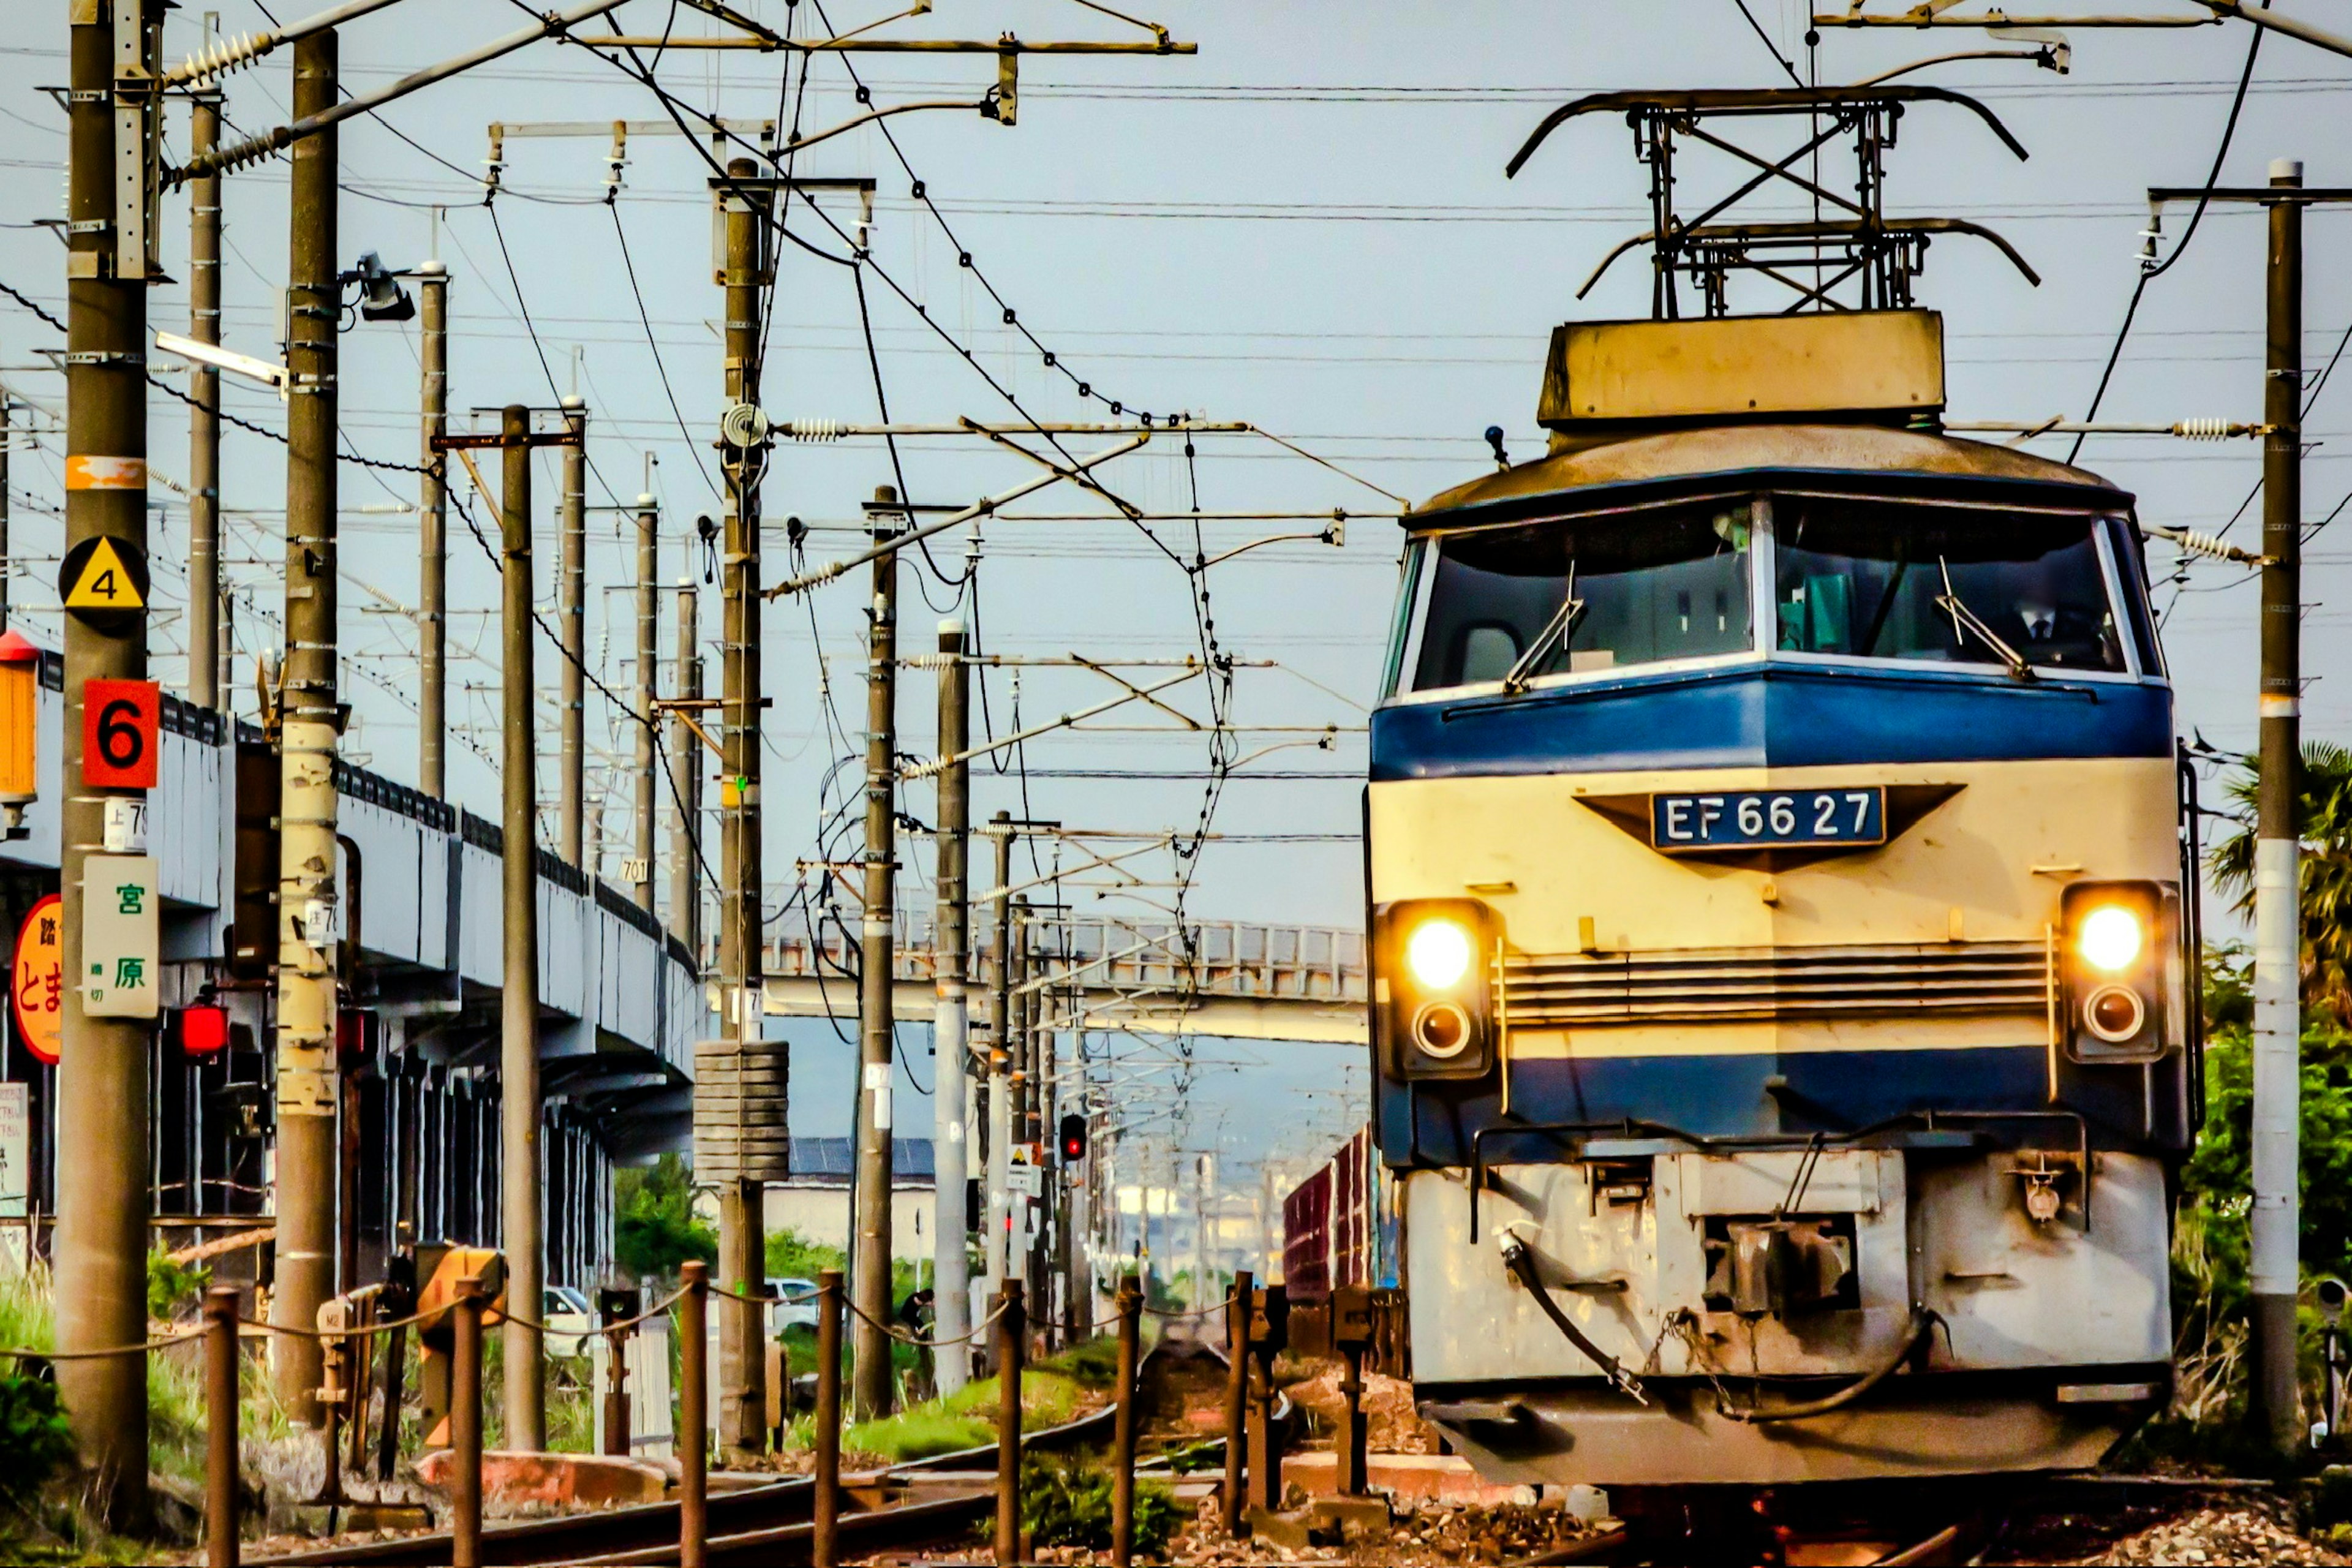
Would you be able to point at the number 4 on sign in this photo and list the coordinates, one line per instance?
(120, 724)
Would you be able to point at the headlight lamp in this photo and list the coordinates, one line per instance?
(1438, 953)
(2109, 938)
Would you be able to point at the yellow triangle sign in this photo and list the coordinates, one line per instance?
(105, 584)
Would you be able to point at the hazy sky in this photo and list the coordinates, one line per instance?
(1306, 226)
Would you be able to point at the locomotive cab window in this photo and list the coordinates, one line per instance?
(1584, 596)
(1912, 583)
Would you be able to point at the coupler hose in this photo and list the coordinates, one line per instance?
(1522, 1263)
(1922, 1323)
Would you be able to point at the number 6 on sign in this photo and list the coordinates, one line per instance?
(118, 724)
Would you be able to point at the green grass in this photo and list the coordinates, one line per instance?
(967, 1420)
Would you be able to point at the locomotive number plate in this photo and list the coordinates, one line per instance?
(1771, 819)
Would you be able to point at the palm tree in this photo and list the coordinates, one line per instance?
(2322, 812)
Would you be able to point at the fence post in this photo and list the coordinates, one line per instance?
(1012, 1342)
(1237, 1347)
(1122, 1477)
(693, 1412)
(823, 1548)
(220, 1426)
(466, 1428)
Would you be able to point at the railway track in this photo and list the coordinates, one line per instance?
(906, 1504)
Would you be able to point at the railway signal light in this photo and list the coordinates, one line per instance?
(1073, 1139)
(2117, 971)
(1433, 1014)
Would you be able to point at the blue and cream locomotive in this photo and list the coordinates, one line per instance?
(1782, 1010)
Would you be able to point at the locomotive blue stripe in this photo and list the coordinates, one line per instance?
(1771, 714)
(1728, 1097)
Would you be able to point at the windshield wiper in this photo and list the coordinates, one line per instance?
(1555, 635)
(1948, 601)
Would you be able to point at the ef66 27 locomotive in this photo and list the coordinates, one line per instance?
(1781, 1010)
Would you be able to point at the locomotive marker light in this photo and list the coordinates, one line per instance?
(2113, 971)
(1435, 1018)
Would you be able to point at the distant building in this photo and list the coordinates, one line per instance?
(814, 1204)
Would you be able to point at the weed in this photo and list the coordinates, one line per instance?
(1067, 1502)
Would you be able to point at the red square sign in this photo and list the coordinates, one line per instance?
(119, 723)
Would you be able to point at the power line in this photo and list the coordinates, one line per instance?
(2150, 274)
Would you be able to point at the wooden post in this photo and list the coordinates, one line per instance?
(693, 1412)
(1237, 1347)
(466, 1429)
(1012, 1342)
(823, 1548)
(220, 1426)
(1122, 1477)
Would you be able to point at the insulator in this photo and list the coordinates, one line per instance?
(812, 429)
(2202, 429)
(226, 55)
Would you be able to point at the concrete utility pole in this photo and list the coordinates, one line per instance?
(1021, 1090)
(433, 536)
(742, 1251)
(641, 829)
(571, 621)
(8, 440)
(2275, 1274)
(685, 771)
(997, 1250)
(102, 1201)
(870, 1366)
(519, 1110)
(952, 1064)
(309, 916)
(207, 680)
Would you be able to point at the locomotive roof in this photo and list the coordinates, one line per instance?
(1867, 459)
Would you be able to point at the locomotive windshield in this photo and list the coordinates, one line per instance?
(1671, 588)
(1840, 577)
(1914, 583)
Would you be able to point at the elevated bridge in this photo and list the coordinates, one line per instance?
(621, 1001)
(1218, 978)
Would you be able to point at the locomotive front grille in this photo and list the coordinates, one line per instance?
(1542, 990)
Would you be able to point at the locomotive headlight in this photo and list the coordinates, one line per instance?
(2118, 971)
(1438, 953)
(2109, 938)
(1433, 979)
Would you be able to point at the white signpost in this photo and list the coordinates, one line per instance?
(121, 951)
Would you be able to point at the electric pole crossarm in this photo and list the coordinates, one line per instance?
(253, 149)
(773, 42)
(826, 573)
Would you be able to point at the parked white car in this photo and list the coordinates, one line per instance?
(795, 1310)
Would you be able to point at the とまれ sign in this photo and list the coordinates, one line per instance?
(104, 580)
(120, 945)
(120, 724)
(36, 979)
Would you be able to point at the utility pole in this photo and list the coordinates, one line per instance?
(206, 679)
(308, 917)
(571, 621)
(102, 1200)
(641, 830)
(2275, 1274)
(870, 1367)
(951, 1066)
(685, 769)
(742, 1251)
(518, 1109)
(997, 1249)
(1021, 1091)
(433, 536)
(8, 440)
